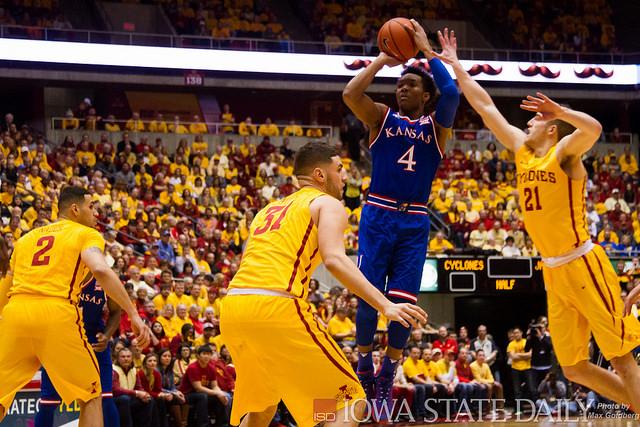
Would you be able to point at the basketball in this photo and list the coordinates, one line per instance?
(396, 40)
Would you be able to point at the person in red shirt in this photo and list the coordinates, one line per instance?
(225, 375)
(444, 343)
(134, 404)
(186, 336)
(202, 392)
(150, 381)
(469, 389)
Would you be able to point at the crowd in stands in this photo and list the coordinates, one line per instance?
(337, 22)
(222, 19)
(38, 13)
(569, 26)
(85, 117)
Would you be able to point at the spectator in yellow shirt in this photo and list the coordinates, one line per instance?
(158, 125)
(110, 124)
(177, 127)
(69, 122)
(134, 124)
(482, 374)
(268, 128)
(197, 127)
(342, 329)
(441, 204)
(178, 296)
(292, 130)
(247, 127)
(181, 318)
(520, 363)
(438, 245)
(227, 117)
(314, 131)
(165, 320)
(628, 162)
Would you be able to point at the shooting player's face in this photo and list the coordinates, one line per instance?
(410, 93)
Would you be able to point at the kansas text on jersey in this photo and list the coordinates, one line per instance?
(405, 156)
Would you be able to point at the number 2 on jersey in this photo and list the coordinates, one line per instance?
(407, 159)
(39, 258)
(271, 214)
(530, 194)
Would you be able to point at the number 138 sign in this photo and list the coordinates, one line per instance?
(194, 78)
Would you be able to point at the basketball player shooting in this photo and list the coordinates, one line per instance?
(583, 294)
(406, 148)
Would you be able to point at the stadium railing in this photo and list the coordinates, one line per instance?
(297, 46)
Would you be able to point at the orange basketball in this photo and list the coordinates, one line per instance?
(396, 40)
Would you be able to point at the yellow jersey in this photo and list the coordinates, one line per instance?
(46, 261)
(553, 205)
(282, 251)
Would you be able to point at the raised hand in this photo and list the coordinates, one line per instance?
(542, 104)
(449, 43)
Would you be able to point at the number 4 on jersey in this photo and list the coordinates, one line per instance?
(407, 159)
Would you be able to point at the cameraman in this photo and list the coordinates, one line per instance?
(539, 343)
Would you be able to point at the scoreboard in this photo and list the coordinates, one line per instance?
(482, 275)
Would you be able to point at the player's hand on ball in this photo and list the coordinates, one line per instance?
(449, 45)
(387, 60)
(631, 299)
(406, 314)
(142, 331)
(420, 37)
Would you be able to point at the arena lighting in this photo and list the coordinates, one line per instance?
(300, 64)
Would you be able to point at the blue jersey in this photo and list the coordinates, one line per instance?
(405, 156)
(92, 300)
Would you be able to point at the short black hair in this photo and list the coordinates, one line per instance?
(204, 349)
(510, 239)
(428, 84)
(69, 195)
(311, 155)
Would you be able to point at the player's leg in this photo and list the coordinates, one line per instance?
(91, 413)
(617, 335)
(49, 401)
(259, 419)
(576, 305)
(375, 240)
(82, 383)
(407, 263)
(18, 363)
(110, 414)
(247, 341)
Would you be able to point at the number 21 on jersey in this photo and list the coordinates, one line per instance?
(407, 159)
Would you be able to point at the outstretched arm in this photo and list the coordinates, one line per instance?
(371, 113)
(509, 136)
(449, 97)
(331, 220)
(577, 143)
